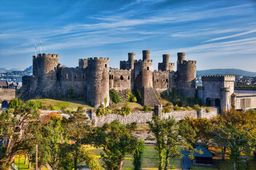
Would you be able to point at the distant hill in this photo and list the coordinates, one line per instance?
(237, 72)
(4, 70)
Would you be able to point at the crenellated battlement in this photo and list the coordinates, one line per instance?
(218, 77)
(98, 59)
(190, 62)
(43, 55)
(93, 77)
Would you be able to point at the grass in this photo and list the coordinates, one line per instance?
(21, 161)
(149, 162)
(53, 104)
(131, 105)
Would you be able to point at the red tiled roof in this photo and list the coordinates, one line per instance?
(3, 84)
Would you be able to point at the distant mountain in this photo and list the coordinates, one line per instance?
(28, 70)
(4, 70)
(237, 72)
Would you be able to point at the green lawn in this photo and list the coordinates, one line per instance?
(60, 105)
(21, 162)
(149, 162)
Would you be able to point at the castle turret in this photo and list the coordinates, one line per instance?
(131, 59)
(83, 63)
(97, 91)
(145, 55)
(166, 65)
(181, 57)
(44, 64)
(147, 75)
(186, 76)
(127, 65)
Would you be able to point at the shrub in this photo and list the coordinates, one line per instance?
(125, 110)
(115, 98)
(103, 111)
(197, 107)
(146, 108)
(132, 97)
(80, 109)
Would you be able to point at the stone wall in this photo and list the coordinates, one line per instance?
(140, 117)
(160, 80)
(120, 79)
(244, 99)
(7, 94)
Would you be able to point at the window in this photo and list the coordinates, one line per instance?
(128, 77)
(147, 68)
(106, 65)
(121, 77)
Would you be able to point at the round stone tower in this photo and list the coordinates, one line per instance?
(186, 75)
(181, 57)
(146, 72)
(145, 55)
(97, 91)
(131, 60)
(44, 64)
(166, 59)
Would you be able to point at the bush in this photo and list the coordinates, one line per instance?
(103, 111)
(197, 107)
(146, 108)
(80, 109)
(125, 110)
(115, 98)
(132, 97)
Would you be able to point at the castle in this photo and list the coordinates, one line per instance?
(92, 79)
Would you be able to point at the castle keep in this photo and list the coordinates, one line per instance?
(92, 79)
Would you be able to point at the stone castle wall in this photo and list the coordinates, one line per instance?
(161, 80)
(140, 117)
(92, 79)
(7, 94)
(120, 79)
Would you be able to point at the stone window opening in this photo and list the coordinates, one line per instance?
(128, 77)
(147, 68)
(106, 65)
(156, 80)
(111, 77)
(166, 80)
(75, 77)
(121, 77)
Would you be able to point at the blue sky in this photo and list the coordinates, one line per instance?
(219, 33)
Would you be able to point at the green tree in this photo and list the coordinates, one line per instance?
(49, 138)
(236, 131)
(167, 140)
(15, 130)
(137, 156)
(114, 96)
(117, 141)
(77, 129)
